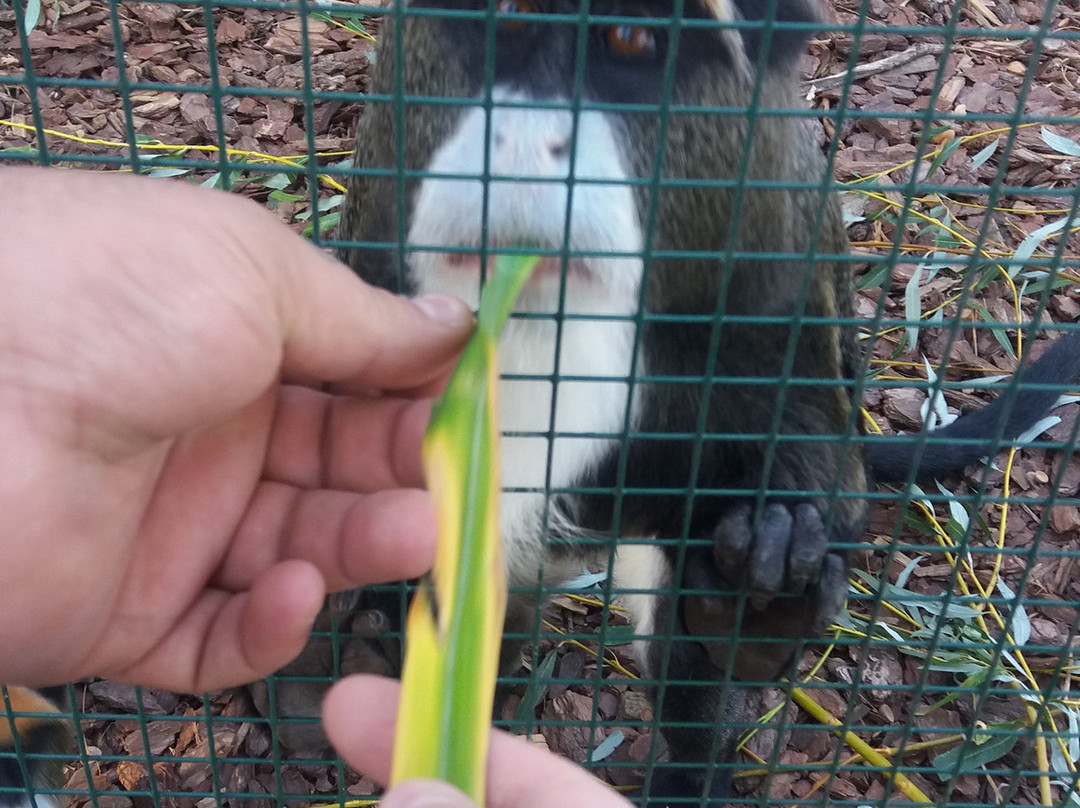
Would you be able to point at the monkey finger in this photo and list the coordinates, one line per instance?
(832, 591)
(370, 624)
(808, 547)
(769, 556)
(731, 542)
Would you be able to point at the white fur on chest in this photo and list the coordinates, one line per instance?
(587, 417)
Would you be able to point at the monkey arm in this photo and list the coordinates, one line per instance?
(779, 470)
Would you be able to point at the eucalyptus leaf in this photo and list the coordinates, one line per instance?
(905, 573)
(32, 15)
(934, 410)
(538, 685)
(1060, 144)
(1020, 625)
(1074, 733)
(1033, 241)
(957, 512)
(968, 758)
(1031, 434)
(913, 307)
(607, 746)
(164, 173)
(984, 154)
(279, 180)
(587, 580)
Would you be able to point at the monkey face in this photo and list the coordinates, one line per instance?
(562, 146)
(530, 172)
(545, 177)
(527, 124)
(530, 201)
(645, 158)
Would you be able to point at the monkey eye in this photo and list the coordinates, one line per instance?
(631, 41)
(514, 7)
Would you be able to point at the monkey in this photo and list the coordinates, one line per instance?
(610, 434)
(33, 734)
(694, 258)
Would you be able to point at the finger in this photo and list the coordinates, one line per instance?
(339, 329)
(732, 540)
(832, 591)
(359, 714)
(431, 388)
(352, 539)
(354, 444)
(425, 794)
(224, 640)
(809, 543)
(768, 558)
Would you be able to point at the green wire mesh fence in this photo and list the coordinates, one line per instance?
(951, 131)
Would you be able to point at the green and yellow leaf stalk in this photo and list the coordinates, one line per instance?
(455, 622)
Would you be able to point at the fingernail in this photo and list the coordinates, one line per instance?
(445, 309)
(425, 794)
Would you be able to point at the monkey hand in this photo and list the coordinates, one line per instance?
(780, 582)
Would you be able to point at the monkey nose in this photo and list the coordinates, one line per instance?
(526, 147)
(530, 144)
(559, 149)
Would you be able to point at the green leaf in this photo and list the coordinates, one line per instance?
(614, 636)
(970, 757)
(1060, 144)
(32, 15)
(607, 746)
(278, 180)
(327, 222)
(947, 151)
(974, 680)
(455, 622)
(538, 685)
(984, 154)
(282, 196)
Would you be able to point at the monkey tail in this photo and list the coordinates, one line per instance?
(981, 432)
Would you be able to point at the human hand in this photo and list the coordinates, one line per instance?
(177, 487)
(359, 714)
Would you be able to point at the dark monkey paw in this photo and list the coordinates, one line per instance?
(795, 587)
(298, 688)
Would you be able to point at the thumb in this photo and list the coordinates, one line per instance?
(425, 794)
(338, 329)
